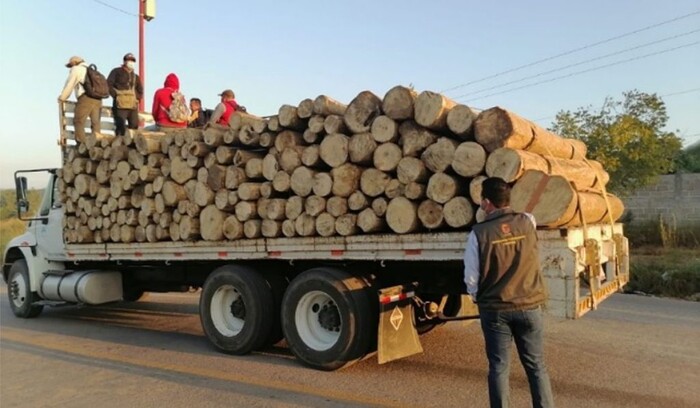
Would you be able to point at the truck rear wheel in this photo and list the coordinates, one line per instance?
(19, 292)
(327, 318)
(236, 309)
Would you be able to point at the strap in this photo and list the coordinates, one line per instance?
(535, 198)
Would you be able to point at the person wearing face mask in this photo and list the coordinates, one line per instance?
(126, 90)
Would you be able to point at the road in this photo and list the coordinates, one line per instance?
(633, 351)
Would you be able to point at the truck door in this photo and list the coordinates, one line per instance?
(49, 231)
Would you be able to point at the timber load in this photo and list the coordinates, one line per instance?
(405, 163)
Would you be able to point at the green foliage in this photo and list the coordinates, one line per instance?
(663, 233)
(10, 225)
(673, 273)
(627, 137)
(689, 160)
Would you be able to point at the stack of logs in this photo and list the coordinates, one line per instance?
(404, 163)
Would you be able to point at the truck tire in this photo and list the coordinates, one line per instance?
(236, 309)
(19, 292)
(278, 284)
(327, 318)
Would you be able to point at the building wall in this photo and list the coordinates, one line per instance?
(673, 195)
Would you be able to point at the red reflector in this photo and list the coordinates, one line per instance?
(103, 255)
(223, 254)
(138, 254)
(413, 251)
(70, 254)
(273, 254)
(337, 252)
(177, 254)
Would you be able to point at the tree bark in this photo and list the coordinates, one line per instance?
(252, 229)
(346, 179)
(189, 228)
(282, 182)
(249, 191)
(271, 228)
(442, 187)
(305, 108)
(337, 206)
(431, 110)
(414, 139)
(346, 224)
(216, 177)
(290, 158)
(387, 157)
(458, 212)
(379, 205)
(288, 138)
(460, 121)
(414, 191)
(384, 129)
(180, 172)
(439, 156)
(211, 221)
(325, 105)
(234, 177)
(314, 205)
(334, 149)
(203, 194)
(289, 118)
(412, 169)
(294, 207)
(302, 181)
(373, 182)
(334, 124)
(232, 228)
(398, 103)
(430, 214)
(288, 229)
(368, 221)
(325, 225)
(394, 189)
(253, 168)
(469, 159)
(361, 147)
(305, 225)
(311, 156)
(475, 189)
(246, 210)
(402, 215)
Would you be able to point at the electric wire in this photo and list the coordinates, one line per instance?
(116, 8)
(572, 51)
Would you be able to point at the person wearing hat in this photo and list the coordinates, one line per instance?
(225, 108)
(126, 90)
(86, 106)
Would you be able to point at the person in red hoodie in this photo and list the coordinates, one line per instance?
(162, 101)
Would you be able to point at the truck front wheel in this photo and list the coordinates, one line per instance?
(19, 292)
(236, 309)
(327, 318)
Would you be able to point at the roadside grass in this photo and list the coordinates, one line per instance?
(669, 272)
(9, 228)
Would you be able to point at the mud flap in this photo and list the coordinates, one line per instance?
(397, 335)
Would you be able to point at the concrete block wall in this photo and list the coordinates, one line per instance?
(673, 195)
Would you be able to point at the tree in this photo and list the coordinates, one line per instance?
(627, 137)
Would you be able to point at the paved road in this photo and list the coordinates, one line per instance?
(632, 352)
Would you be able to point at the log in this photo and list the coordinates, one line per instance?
(174, 231)
(310, 136)
(155, 160)
(253, 168)
(242, 157)
(311, 156)
(361, 147)
(431, 110)
(234, 177)
(240, 119)
(135, 159)
(290, 158)
(460, 121)
(232, 228)
(442, 187)
(373, 182)
(180, 172)
(554, 202)
(289, 118)
(368, 221)
(270, 166)
(337, 206)
(430, 214)
(325, 105)
(412, 169)
(379, 205)
(302, 181)
(271, 228)
(249, 191)
(148, 174)
(137, 196)
(246, 210)
(148, 142)
(266, 190)
(151, 232)
(414, 191)
(334, 149)
(325, 224)
(469, 159)
(247, 136)
(165, 142)
(203, 194)
(216, 177)
(346, 179)
(275, 209)
(384, 129)
(193, 210)
(252, 229)
(402, 215)
(398, 103)
(458, 212)
(288, 138)
(273, 123)
(225, 154)
(294, 207)
(497, 127)
(357, 201)
(510, 164)
(346, 224)
(305, 225)
(213, 135)
(475, 189)
(211, 221)
(267, 139)
(361, 112)
(126, 234)
(314, 205)
(439, 156)
(282, 182)
(198, 149)
(288, 229)
(221, 200)
(305, 108)
(316, 123)
(394, 188)
(334, 124)
(387, 157)
(189, 228)
(414, 139)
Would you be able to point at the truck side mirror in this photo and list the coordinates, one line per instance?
(21, 191)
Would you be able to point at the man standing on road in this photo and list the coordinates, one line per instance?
(126, 90)
(502, 274)
(86, 106)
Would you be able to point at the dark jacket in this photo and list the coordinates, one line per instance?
(162, 100)
(120, 78)
(509, 260)
(201, 119)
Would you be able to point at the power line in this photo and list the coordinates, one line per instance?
(116, 8)
(588, 70)
(681, 92)
(612, 54)
(571, 51)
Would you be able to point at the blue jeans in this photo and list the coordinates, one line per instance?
(525, 326)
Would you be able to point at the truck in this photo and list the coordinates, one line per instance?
(335, 300)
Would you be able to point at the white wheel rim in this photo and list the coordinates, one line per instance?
(221, 314)
(307, 317)
(19, 290)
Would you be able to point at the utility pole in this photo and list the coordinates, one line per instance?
(147, 12)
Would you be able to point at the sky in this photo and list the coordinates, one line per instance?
(534, 58)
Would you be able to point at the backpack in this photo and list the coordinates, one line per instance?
(178, 111)
(95, 83)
